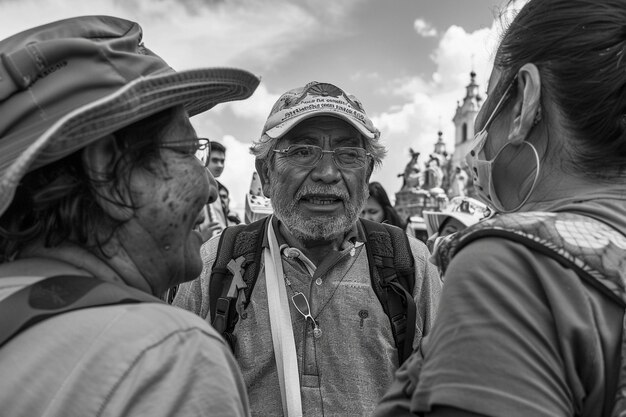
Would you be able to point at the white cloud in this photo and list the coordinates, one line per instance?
(424, 28)
(195, 33)
(431, 100)
(257, 35)
(256, 107)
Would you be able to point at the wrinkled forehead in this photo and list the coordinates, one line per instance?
(310, 131)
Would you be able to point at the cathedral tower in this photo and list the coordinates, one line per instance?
(464, 121)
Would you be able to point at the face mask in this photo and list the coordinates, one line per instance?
(482, 169)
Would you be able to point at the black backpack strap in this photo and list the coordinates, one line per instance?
(236, 268)
(59, 294)
(392, 274)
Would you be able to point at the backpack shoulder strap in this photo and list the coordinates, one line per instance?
(60, 294)
(589, 247)
(234, 273)
(392, 273)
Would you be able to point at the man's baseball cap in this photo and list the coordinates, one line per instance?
(69, 83)
(317, 99)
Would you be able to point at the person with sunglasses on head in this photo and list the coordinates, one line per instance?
(533, 323)
(100, 191)
(312, 336)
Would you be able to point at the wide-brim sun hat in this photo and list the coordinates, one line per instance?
(467, 210)
(313, 100)
(434, 219)
(69, 83)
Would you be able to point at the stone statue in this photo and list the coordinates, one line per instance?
(411, 174)
(433, 176)
(458, 183)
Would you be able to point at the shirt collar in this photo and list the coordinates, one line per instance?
(353, 238)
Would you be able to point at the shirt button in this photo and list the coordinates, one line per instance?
(318, 281)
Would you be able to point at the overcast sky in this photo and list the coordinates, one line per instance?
(408, 61)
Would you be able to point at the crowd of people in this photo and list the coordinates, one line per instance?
(326, 307)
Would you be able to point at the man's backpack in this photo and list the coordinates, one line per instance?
(391, 266)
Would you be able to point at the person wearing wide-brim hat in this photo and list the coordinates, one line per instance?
(460, 213)
(100, 190)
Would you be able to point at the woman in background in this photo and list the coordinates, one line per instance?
(379, 209)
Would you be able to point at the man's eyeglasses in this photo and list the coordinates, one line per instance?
(188, 146)
(307, 156)
(302, 305)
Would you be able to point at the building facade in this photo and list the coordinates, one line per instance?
(439, 177)
(463, 119)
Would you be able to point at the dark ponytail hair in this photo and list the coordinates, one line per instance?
(579, 47)
(377, 192)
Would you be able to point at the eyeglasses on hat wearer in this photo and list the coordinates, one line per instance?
(188, 146)
(308, 156)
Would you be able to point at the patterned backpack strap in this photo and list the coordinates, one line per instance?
(589, 247)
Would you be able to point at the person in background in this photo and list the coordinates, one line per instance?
(378, 208)
(215, 219)
(460, 212)
(99, 193)
(231, 217)
(314, 338)
(216, 159)
(532, 311)
(458, 184)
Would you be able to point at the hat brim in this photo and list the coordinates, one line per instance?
(281, 129)
(434, 219)
(198, 90)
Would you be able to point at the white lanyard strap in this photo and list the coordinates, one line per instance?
(282, 330)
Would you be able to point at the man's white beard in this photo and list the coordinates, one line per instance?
(325, 227)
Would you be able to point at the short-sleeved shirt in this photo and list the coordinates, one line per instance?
(347, 369)
(145, 359)
(518, 334)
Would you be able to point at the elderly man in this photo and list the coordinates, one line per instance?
(319, 327)
(100, 191)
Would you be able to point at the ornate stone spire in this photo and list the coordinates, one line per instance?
(440, 146)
